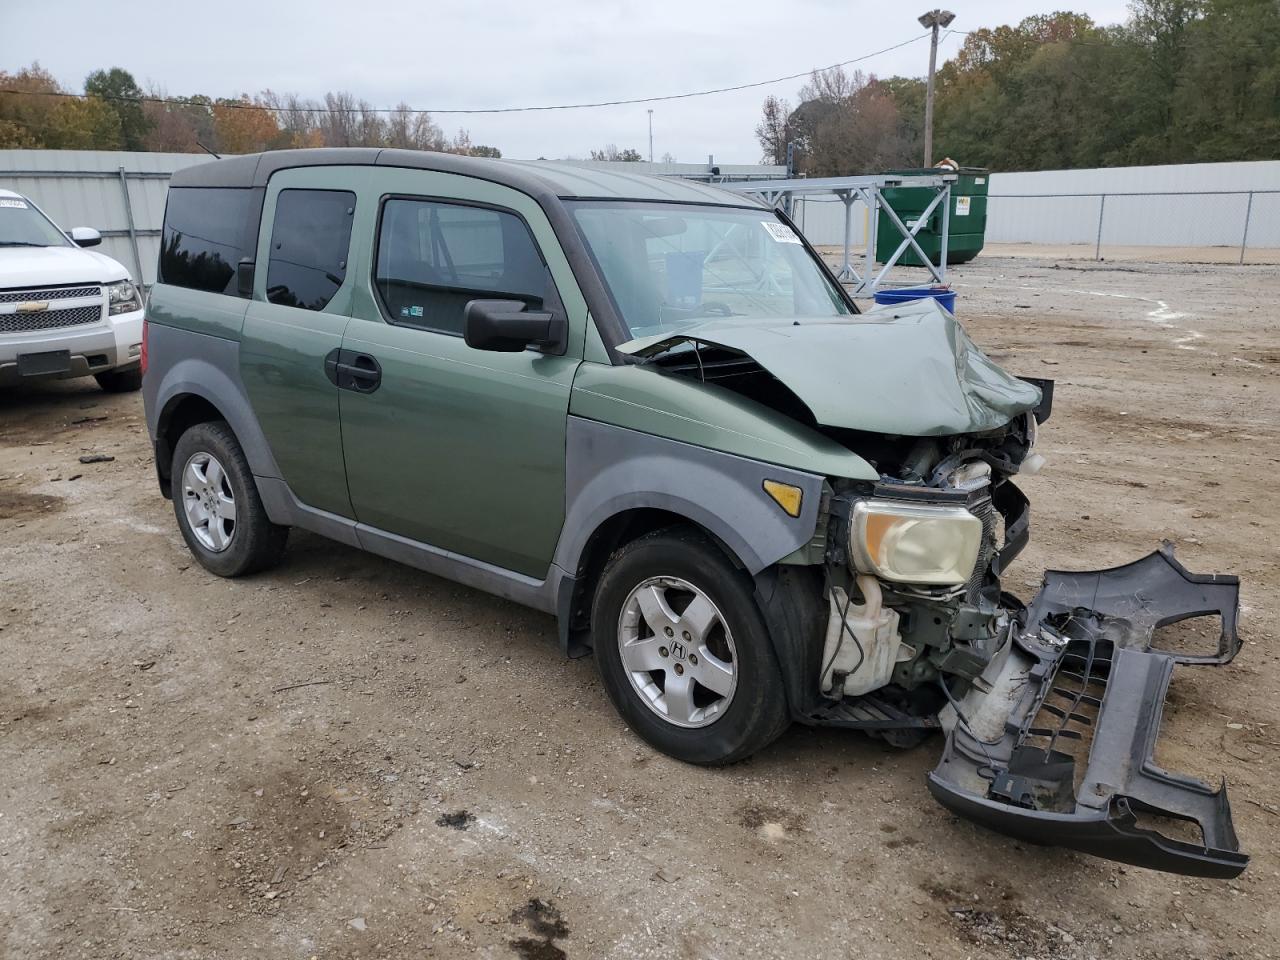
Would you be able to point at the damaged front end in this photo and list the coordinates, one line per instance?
(1055, 743)
(1051, 710)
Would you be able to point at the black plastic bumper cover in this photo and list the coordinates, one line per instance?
(1093, 689)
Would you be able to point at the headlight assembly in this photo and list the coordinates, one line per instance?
(914, 543)
(123, 297)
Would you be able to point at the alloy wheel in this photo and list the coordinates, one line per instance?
(677, 651)
(209, 501)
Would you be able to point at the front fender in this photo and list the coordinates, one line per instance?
(611, 469)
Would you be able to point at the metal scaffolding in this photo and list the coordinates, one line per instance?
(849, 190)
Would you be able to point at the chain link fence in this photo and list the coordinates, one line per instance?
(1229, 226)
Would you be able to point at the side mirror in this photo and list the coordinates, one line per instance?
(508, 326)
(244, 278)
(85, 236)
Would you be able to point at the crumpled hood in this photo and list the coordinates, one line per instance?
(903, 369)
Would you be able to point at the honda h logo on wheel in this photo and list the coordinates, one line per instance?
(677, 650)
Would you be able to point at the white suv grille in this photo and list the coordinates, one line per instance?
(48, 319)
(49, 293)
(49, 308)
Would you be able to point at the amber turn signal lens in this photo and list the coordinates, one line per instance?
(785, 495)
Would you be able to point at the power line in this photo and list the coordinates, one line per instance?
(237, 105)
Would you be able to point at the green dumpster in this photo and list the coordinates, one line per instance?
(968, 218)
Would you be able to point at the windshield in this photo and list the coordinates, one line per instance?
(667, 265)
(22, 225)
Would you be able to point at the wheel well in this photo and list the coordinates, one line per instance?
(180, 414)
(615, 532)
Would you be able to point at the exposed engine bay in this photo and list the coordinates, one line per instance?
(1051, 709)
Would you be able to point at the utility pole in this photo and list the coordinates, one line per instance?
(932, 20)
(651, 135)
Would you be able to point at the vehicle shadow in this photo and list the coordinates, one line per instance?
(32, 411)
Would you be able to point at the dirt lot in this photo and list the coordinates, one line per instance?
(347, 758)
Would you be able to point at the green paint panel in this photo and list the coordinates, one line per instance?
(644, 399)
(282, 355)
(212, 314)
(461, 448)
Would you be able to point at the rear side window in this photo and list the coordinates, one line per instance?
(433, 258)
(206, 233)
(310, 239)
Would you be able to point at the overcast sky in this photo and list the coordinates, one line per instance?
(502, 53)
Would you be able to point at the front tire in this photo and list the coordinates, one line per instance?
(683, 651)
(217, 505)
(120, 381)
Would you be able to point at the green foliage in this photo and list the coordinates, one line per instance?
(121, 93)
(1182, 81)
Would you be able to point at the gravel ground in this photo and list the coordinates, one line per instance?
(348, 758)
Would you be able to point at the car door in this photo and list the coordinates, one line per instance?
(459, 448)
(300, 308)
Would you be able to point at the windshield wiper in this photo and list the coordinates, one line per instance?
(21, 243)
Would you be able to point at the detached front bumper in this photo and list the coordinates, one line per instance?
(1055, 744)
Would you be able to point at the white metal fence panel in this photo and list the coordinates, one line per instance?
(120, 193)
(822, 221)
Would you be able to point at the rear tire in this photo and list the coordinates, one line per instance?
(700, 683)
(120, 381)
(217, 505)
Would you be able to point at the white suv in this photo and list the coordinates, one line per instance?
(64, 311)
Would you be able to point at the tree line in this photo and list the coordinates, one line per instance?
(1181, 81)
(116, 114)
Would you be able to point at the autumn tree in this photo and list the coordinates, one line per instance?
(244, 125)
(40, 114)
(25, 113)
(88, 124)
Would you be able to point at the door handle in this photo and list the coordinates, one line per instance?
(349, 370)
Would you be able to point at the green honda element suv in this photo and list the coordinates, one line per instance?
(646, 407)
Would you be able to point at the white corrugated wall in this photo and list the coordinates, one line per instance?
(1062, 206)
(1191, 204)
(83, 188)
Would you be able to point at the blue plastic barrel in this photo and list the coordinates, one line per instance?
(945, 296)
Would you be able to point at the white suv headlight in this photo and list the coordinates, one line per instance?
(914, 543)
(123, 297)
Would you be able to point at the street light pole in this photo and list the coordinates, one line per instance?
(651, 136)
(933, 20)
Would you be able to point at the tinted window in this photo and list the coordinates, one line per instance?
(206, 233)
(435, 257)
(309, 242)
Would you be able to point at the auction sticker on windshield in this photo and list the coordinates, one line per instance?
(780, 231)
(15, 204)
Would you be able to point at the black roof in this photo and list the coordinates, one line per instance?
(540, 179)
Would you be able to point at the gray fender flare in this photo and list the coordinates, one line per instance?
(611, 469)
(209, 368)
